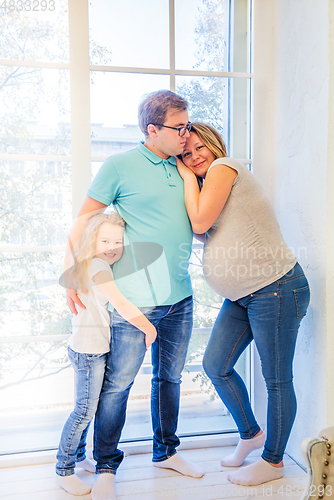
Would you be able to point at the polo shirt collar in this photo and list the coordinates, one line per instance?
(153, 157)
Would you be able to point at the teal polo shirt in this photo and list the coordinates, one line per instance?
(148, 193)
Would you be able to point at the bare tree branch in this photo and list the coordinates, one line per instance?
(39, 377)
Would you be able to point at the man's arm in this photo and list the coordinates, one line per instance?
(88, 208)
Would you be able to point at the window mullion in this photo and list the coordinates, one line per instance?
(80, 100)
(172, 44)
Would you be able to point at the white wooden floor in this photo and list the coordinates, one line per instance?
(137, 479)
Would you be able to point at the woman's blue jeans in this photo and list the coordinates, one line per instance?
(271, 316)
(174, 325)
(89, 373)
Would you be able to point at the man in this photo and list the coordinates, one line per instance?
(145, 188)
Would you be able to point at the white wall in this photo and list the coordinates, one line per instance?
(293, 158)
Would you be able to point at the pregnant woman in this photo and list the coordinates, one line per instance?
(246, 261)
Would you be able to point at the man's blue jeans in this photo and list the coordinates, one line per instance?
(127, 351)
(271, 316)
(89, 373)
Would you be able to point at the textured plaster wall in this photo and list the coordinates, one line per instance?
(301, 82)
(293, 96)
(330, 224)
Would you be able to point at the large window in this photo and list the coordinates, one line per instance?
(71, 77)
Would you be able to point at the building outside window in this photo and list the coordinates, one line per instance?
(198, 48)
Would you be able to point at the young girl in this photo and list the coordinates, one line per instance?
(247, 261)
(100, 247)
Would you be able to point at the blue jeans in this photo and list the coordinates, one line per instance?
(271, 316)
(89, 371)
(174, 325)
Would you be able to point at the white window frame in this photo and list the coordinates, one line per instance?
(81, 158)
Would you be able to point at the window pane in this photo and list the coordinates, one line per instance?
(36, 34)
(201, 35)
(240, 46)
(240, 118)
(36, 216)
(129, 33)
(207, 303)
(224, 103)
(34, 308)
(208, 101)
(34, 111)
(115, 97)
(34, 385)
(37, 389)
(107, 141)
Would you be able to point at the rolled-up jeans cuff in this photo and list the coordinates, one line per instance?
(65, 473)
(162, 459)
(105, 471)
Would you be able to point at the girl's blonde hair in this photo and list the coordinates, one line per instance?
(84, 250)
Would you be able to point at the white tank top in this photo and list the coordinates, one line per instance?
(244, 249)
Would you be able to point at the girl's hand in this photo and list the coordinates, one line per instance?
(150, 337)
(183, 170)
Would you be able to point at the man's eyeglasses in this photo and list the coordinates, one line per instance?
(181, 130)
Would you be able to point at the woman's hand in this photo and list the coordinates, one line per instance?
(183, 170)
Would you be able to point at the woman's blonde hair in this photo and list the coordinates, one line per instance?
(210, 137)
(84, 250)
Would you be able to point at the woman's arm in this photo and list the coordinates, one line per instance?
(204, 206)
(124, 307)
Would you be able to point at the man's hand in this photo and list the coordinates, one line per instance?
(72, 299)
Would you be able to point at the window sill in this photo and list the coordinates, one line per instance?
(46, 457)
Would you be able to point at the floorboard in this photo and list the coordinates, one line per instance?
(138, 479)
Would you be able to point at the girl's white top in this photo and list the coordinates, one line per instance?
(91, 326)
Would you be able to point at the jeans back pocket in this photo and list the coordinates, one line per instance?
(302, 300)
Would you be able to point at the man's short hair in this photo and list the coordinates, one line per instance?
(154, 107)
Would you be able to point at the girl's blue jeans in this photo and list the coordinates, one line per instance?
(89, 371)
(271, 316)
